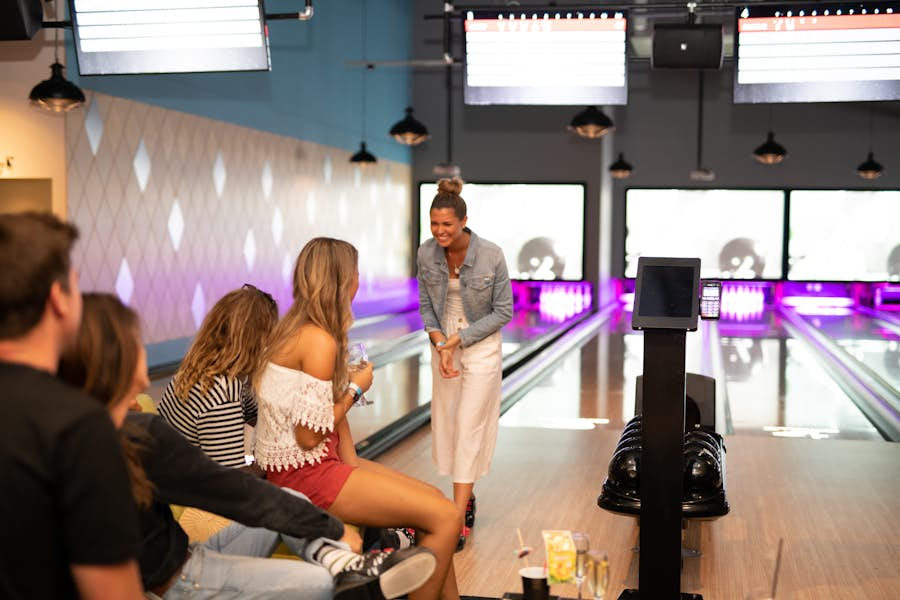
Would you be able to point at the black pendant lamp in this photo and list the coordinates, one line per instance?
(870, 168)
(409, 131)
(591, 123)
(621, 168)
(57, 94)
(363, 157)
(770, 152)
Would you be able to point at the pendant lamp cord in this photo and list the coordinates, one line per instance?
(56, 33)
(449, 84)
(871, 125)
(369, 67)
(700, 120)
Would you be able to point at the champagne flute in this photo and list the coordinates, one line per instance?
(357, 359)
(599, 579)
(582, 545)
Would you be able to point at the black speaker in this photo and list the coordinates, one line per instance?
(687, 46)
(20, 19)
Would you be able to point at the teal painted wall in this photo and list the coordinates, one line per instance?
(310, 93)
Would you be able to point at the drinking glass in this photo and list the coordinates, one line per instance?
(582, 545)
(357, 359)
(599, 574)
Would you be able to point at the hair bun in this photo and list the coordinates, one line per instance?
(451, 186)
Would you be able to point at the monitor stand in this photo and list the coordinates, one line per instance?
(662, 427)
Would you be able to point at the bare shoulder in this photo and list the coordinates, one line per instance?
(305, 346)
(318, 351)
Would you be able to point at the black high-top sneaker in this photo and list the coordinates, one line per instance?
(397, 573)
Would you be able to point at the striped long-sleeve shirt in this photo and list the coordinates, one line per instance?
(214, 422)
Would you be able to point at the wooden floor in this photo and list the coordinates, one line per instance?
(836, 503)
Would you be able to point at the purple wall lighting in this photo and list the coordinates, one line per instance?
(554, 301)
(744, 301)
(816, 298)
(386, 296)
(887, 297)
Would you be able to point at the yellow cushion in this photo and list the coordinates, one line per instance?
(147, 404)
(201, 525)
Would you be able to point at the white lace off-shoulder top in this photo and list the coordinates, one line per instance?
(287, 398)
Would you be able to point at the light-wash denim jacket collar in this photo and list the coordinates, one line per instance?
(484, 287)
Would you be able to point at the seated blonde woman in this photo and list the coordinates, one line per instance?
(303, 438)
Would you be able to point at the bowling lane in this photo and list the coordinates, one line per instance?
(773, 383)
(870, 341)
(777, 386)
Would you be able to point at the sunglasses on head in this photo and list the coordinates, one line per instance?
(266, 295)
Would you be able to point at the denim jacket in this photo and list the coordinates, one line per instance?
(484, 287)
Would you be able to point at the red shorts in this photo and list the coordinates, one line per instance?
(320, 482)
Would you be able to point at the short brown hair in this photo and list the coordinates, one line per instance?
(35, 253)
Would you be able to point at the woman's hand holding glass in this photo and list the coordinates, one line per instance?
(360, 371)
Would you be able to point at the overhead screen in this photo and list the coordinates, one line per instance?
(169, 36)
(539, 226)
(817, 52)
(544, 57)
(737, 234)
(843, 235)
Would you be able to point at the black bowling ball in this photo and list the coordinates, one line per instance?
(702, 472)
(625, 467)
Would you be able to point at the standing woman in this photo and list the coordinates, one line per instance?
(465, 299)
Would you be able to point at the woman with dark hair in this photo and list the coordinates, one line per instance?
(109, 363)
(465, 299)
(303, 438)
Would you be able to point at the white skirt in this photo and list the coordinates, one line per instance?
(465, 410)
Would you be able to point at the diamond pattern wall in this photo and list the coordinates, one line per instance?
(173, 200)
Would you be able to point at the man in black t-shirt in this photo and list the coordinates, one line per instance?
(67, 520)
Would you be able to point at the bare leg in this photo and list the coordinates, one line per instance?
(376, 499)
(461, 494)
(375, 467)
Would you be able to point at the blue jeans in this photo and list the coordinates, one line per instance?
(233, 564)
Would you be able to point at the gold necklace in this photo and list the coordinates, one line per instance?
(454, 267)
